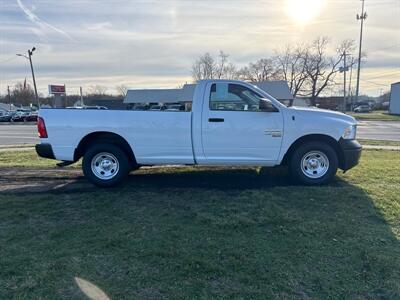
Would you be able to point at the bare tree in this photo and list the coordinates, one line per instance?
(23, 94)
(206, 67)
(321, 68)
(292, 62)
(224, 68)
(261, 70)
(122, 90)
(98, 90)
(220, 67)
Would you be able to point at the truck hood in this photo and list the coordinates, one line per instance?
(324, 113)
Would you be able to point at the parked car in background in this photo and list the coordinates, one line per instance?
(95, 107)
(363, 109)
(32, 117)
(5, 117)
(87, 107)
(139, 107)
(19, 116)
(175, 107)
(157, 107)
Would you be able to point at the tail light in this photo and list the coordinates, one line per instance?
(41, 128)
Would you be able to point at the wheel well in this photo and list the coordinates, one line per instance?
(315, 138)
(105, 137)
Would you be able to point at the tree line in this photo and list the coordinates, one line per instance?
(308, 68)
(22, 94)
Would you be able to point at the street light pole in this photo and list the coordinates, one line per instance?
(33, 75)
(9, 96)
(30, 52)
(362, 18)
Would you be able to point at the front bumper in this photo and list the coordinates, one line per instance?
(44, 150)
(351, 150)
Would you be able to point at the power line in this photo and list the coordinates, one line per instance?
(386, 75)
(377, 84)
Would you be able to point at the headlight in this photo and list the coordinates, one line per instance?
(350, 132)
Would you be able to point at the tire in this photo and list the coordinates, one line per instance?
(105, 165)
(313, 163)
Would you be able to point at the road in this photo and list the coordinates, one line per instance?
(379, 130)
(18, 134)
(372, 130)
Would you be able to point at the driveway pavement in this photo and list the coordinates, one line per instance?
(372, 130)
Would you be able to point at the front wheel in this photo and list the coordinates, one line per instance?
(105, 165)
(314, 163)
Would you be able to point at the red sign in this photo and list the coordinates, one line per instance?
(56, 89)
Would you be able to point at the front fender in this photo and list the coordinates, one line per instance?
(311, 123)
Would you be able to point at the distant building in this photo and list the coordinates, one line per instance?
(184, 94)
(332, 103)
(277, 89)
(301, 102)
(109, 103)
(394, 105)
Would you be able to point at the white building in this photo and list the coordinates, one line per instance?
(394, 106)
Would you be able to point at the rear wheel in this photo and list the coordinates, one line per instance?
(105, 165)
(314, 163)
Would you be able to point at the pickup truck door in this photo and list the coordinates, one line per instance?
(236, 130)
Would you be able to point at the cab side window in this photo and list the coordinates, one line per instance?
(233, 97)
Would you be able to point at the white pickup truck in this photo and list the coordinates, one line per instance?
(228, 123)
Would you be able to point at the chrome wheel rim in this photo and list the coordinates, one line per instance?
(314, 164)
(105, 166)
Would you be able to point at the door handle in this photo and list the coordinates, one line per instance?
(216, 120)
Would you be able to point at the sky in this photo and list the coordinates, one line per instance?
(153, 43)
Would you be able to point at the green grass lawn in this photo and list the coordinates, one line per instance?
(201, 233)
(375, 116)
(24, 158)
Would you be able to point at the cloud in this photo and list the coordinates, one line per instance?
(99, 26)
(42, 24)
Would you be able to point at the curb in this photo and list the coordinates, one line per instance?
(378, 147)
(16, 149)
(17, 146)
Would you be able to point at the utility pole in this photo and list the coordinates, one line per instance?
(80, 91)
(350, 93)
(361, 17)
(9, 95)
(344, 80)
(343, 70)
(30, 52)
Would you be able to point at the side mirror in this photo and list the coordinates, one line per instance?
(266, 105)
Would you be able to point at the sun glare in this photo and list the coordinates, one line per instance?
(304, 11)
